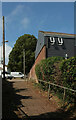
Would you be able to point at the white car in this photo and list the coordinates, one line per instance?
(7, 75)
(17, 75)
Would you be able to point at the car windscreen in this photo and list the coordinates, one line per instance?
(20, 73)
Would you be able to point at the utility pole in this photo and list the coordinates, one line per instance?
(24, 61)
(3, 50)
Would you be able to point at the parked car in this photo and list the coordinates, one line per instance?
(17, 75)
(7, 75)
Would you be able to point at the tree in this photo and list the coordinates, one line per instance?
(27, 42)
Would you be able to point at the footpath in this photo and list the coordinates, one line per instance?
(29, 102)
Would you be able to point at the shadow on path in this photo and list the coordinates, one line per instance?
(60, 114)
(11, 100)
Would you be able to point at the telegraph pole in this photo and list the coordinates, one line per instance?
(3, 50)
(24, 61)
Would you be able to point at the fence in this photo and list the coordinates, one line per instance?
(65, 88)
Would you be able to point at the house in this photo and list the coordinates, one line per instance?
(53, 44)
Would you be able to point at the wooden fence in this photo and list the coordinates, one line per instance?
(65, 88)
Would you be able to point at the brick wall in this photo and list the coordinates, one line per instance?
(41, 56)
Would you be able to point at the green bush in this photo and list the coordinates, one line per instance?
(59, 71)
(38, 72)
(45, 69)
(68, 70)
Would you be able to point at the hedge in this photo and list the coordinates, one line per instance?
(59, 71)
(68, 69)
(45, 69)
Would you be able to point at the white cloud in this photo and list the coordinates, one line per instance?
(7, 52)
(0, 24)
(1, 27)
(25, 22)
(16, 17)
(17, 10)
(13, 15)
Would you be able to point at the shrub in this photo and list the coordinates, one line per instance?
(38, 72)
(45, 69)
(68, 69)
(58, 71)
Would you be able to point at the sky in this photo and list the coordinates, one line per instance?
(7, 51)
(30, 17)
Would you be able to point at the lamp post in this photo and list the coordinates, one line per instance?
(4, 49)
